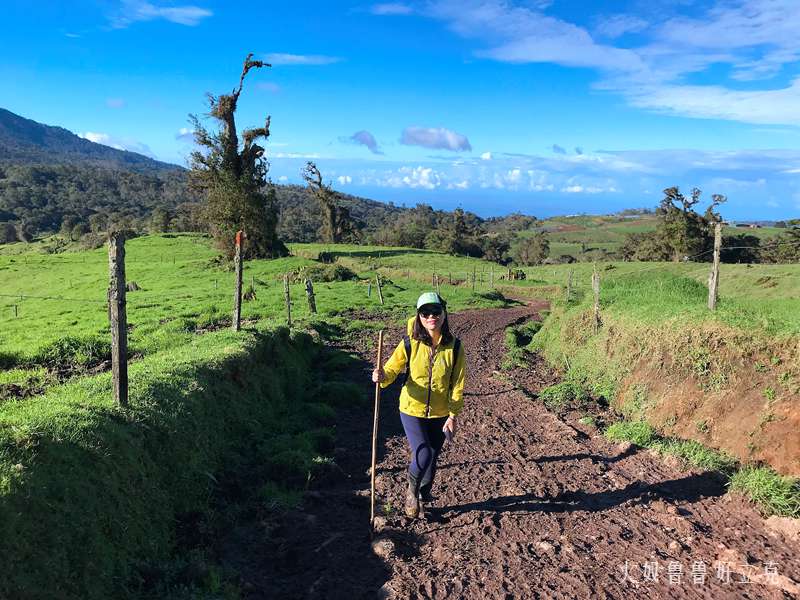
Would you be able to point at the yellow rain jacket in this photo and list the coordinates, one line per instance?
(427, 390)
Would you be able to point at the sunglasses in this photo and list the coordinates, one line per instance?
(436, 311)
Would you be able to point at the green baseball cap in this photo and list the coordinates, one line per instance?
(428, 298)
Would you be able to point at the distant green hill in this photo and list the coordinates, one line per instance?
(23, 141)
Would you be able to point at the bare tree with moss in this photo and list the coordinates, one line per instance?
(337, 224)
(233, 177)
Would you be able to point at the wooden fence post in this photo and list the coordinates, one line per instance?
(369, 289)
(312, 303)
(288, 299)
(15, 311)
(569, 286)
(713, 278)
(433, 279)
(438, 290)
(473, 280)
(450, 278)
(596, 290)
(236, 323)
(380, 291)
(491, 277)
(118, 317)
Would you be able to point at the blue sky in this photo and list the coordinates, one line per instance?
(539, 106)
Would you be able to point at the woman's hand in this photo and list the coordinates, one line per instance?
(378, 375)
(450, 428)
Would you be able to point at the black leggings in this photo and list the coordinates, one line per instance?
(425, 436)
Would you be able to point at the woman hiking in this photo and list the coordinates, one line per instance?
(431, 397)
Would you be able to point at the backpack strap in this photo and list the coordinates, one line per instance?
(407, 344)
(456, 349)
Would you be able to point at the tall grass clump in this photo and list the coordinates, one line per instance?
(775, 494)
(635, 432)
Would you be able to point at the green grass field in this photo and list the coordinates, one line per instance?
(183, 289)
(53, 311)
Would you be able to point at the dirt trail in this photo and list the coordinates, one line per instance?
(528, 506)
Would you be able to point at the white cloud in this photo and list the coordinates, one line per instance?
(767, 107)
(424, 177)
(460, 185)
(524, 35)
(486, 156)
(391, 8)
(617, 25)
(185, 134)
(301, 59)
(344, 179)
(756, 39)
(283, 179)
(132, 11)
(437, 138)
(268, 86)
(579, 189)
(118, 143)
(295, 155)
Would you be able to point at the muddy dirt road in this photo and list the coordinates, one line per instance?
(528, 506)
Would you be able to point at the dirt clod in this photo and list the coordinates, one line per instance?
(383, 547)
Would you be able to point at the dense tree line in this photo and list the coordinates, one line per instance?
(465, 233)
(38, 199)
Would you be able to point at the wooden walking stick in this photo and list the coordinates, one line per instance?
(375, 435)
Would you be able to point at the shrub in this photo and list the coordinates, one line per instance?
(73, 352)
(326, 273)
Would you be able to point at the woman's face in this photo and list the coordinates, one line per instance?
(431, 316)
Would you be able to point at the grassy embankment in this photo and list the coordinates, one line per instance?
(728, 380)
(92, 497)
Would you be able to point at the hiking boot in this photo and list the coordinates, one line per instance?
(425, 492)
(411, 505)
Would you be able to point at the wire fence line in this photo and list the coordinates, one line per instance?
(454, 278)
(33, 297)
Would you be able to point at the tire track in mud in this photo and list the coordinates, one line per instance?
(528, 506)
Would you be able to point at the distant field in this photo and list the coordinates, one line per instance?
(570, 235)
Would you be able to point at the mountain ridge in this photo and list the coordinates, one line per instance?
(25, 141)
